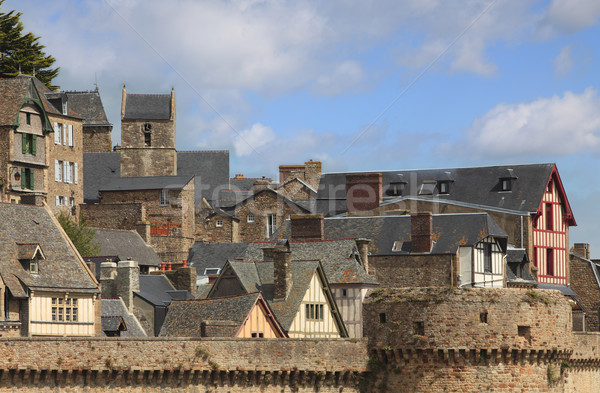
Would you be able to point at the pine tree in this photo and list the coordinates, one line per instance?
(22, 52)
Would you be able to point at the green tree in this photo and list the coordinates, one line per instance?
(22, 50)
(80, 234)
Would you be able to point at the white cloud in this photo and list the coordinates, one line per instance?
(555, 126)
(563, 62)
(252, 139)
(568, 16)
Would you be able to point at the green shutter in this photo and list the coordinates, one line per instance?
(31, 179)
(23, 183)
(33, 144)
(24, 143)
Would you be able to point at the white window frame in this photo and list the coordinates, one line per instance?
(219, 223)
(57, 133)
(67, 172)
(75, 173)
(163, 198)
(271, 224)
(58, 175)
(250, 218)
(64, 134)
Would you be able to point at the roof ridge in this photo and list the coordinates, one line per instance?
(438, 169)
(202, 151)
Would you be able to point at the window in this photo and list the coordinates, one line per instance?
(314, 312)
(444, 187)
(28, 118)
(164, 198)
(58, 170)
(68, 172)
(549, 187)
(506, 184)
(382, 318)
(72, 206)
(419, 328)
(211, 270)
(258, 335)
(250, 217)
(33, 266)
(549, 261)
(483, 317)
(147, 129)
(27, 178)
(58, 130)
(147, 140)
(60, 200)
(65, 309)
(344, 292)
(549, 217)
(219, 223)
(29, 144)
(395, 189)
(271, 224)
(524, 331)
(75, 174)
(487, 257)
(70, 135)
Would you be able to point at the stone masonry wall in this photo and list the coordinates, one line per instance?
(412, 270)
(583, 281)
(97, 139)
(182, 364)
(159, 159)
(207, 230)
(116, 216)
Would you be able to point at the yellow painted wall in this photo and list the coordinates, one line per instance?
(40, 314)
(257, 322)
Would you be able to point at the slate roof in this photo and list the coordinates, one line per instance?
(154, 288)
(147, 107)
(475, 186)
(516, 258)
(113, 310)
(339, 258)
(126, 245)
(258, 276)
(12, 93)
(449, 231)
(147, 183)
(88, 105)
(184, 318)
(209, 168)
(60, 270)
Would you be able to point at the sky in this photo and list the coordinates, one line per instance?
(359, 85)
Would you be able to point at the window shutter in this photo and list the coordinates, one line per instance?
(24, 143)
(65, 172)
(71, 135)
(64, 135)
(23, 182)
(56, 134)
(33, 144)
(57, 201)
(76, 176)
(56, 171)
(31, 185)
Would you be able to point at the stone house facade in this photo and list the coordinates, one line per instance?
(585, 280)
(96, 128)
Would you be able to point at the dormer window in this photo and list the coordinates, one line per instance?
(29, 255)
(395, 189)
(427, 187)
(444, 187)
(506, 184)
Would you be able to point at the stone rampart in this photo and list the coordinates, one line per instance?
(181, 364)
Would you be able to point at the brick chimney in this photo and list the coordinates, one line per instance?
(363, 192)
(282, 269)
(421, 232)
(260, 184)
(363, 250)
(288, 171)
(307, 227)
(581, 249)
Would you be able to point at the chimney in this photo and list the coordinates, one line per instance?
(307, 227)
(581, 249)
(127, 282)
(312, 173)
(290, 171)
(421, 232)
(282, 269)
(260, 184)
(363, 192)
(123, 100)
(108, 273)
(363, 250)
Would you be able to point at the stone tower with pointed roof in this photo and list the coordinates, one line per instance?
(148, 135)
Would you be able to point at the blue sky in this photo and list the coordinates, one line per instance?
(428, 83)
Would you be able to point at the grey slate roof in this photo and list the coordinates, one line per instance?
(61, 270)
(147, 183)
(184, 318)
(113, 310)
(209, 168)
(476, 185)
(154, 289)
(516, 258)
(126, 245)
(148, 106)
(88, 105)
(339, 258)
(450, 231)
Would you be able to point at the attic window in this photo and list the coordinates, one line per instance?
(549, 187)
(211, 271)
(395, 189)
(427, 188)
(506, 184)
(33, 266)
(444, 187)
(397, 246)
(219, 223)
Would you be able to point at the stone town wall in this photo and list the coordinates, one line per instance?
(412, 270)
(181, 364)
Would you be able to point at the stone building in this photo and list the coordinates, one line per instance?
(528, 202)
(96, 128)
(46, 289)
(148, 133)
(585, 280)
